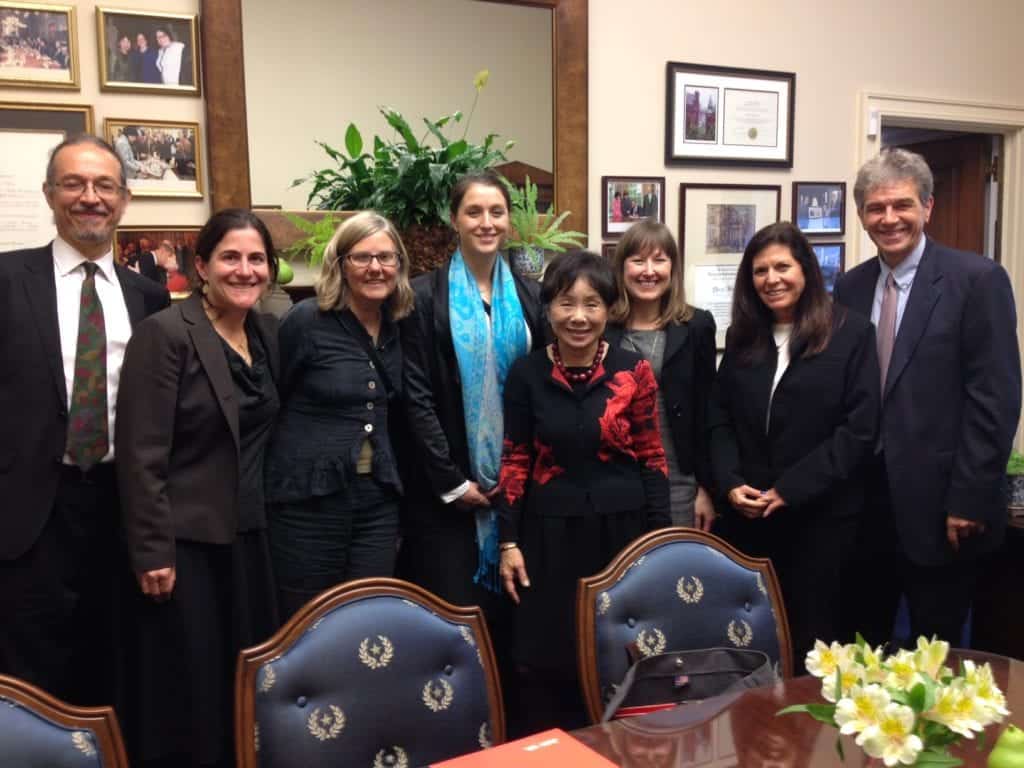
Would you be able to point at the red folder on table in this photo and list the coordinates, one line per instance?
(548, 749)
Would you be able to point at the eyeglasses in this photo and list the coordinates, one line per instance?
(384, 258)
(102, 187)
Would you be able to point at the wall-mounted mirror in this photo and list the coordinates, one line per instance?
(281, 45)
(307, 81)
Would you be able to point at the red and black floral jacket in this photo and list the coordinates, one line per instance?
(584, 450)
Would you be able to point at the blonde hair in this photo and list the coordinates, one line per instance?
(332, 292)
(645, 237)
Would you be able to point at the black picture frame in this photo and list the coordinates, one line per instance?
(831, 268)
(725, 116)
(819, 207)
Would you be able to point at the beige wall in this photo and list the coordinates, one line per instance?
(314, 66)
(141, 211)
(940, 48)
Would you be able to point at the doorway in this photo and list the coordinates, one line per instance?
(966, 170)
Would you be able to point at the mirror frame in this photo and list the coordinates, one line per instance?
(227, 128)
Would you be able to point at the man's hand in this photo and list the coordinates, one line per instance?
(959, 528)
(472, 498)
(748, 501)
(703, 510)
(157, 584)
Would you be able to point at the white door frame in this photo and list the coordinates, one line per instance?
(976, 117)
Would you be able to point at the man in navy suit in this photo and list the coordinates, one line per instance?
(66, 313)
(951, 397)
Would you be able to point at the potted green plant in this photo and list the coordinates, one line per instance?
(405, 178)
(1015, 482)
(318, 234)
(535, 232)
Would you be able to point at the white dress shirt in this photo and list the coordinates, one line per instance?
(69, 276)
(903, 275)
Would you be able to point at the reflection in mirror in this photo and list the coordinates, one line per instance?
(314, 66)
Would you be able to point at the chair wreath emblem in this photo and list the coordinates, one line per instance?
(604, 602)
(378, 655)
(483, 737)
(327, 725)
(740, 633)
(83, 743)
(690, 591)
(438, 695)
(399, 758)
(651, 644)
(269, 678)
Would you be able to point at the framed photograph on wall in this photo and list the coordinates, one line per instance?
(832, 260)
(142, 51)
(819, 207)
(28, 134)
(716, 221)
(163, 254)
(728, 116)
(628, 199)
(38, 45)
(161, 158)
(608, 250)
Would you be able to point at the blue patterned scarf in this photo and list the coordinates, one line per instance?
(485, 349)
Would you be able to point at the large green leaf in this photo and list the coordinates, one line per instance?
(353, 141)
(396, 121)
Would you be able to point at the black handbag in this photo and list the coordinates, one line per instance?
(667, 679)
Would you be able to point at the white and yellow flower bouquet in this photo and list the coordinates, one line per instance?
(907, 708)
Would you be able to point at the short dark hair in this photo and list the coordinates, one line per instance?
(488, 177)
(228, 220)
(750, 333)
(165, 30)
(74, 141)
(566, 268)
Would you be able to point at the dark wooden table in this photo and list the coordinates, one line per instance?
(744, 731)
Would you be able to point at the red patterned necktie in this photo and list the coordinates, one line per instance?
(88, 439)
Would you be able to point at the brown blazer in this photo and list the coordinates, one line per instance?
(177, 434)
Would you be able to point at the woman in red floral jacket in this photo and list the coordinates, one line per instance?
(583, 473)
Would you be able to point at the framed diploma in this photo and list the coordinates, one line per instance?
(728, 116)
(28, 133)
(716, 221)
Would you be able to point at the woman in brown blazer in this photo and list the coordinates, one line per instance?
(196, 404)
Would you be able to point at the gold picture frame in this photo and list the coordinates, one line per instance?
(162, 55)
(45, 51)
(129, 243)
(162, 158)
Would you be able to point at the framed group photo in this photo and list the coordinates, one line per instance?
(145, 52)
(161, 158)
(832, 260)
(163, 254)
(819, 207)
(728, 116)
(28, 134)
(38, 45)
(628, 199)
(716, 221)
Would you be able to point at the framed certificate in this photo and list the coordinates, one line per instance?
(728, 116)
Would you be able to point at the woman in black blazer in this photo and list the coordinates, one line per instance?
(583, 474)
(195, 406)
(651, 317)
(793, 417)
(444, 490)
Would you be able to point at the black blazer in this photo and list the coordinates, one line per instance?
(687, 373)
(952, 398)
(824, 421)
(580, 451)
(177, 434)
(33, 394)
(433, 389)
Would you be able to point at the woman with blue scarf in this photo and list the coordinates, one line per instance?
(473, 318)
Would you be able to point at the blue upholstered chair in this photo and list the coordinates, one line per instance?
(38, 730)
(373, 672)
(671, 590)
